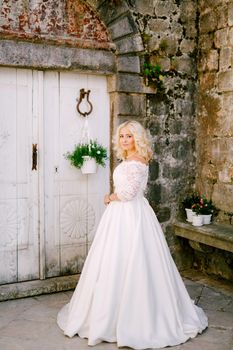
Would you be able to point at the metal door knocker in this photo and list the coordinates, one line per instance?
(82, 95)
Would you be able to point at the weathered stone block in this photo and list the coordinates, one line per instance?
(163, 62)
(208, 22)
(208, 81)
(164, 8)
(223, 194)
(230, 36)
(132, 44)
(206, 41)
(158, 25)
(222, 14)
(225, 58)
(154, 193)
(184, 64)
(187, 46)
(188, 10)
(191, 29)
(154, 170)
(131, 104)
(220, 38)
(25, 54)
(129, 83)
(171, 172)
(225, 81)
(145, 8)
(230, 14)
(222, 150)
(226, 174)
(163, 214)
(130, 64)
(121, 27)
(209, 60)
(109, 11)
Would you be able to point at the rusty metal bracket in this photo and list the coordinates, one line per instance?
(82, 95)
(34, 156)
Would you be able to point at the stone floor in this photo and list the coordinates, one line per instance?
(30, 323)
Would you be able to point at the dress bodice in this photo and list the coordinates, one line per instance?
(130, 179)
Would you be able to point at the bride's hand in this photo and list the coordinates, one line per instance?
(106, 199)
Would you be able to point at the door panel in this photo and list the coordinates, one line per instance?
(18, 183)
(73, 202)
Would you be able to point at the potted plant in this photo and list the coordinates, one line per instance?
(188, 202)
(86, 156)
(197, 217)
(206, 210)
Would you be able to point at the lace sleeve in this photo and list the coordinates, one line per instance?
(134, 175)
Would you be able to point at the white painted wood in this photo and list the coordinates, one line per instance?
(18, 183)
(48, 216)
(73, 202)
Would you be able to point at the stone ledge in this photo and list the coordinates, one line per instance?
(37, 287)
(215, 235)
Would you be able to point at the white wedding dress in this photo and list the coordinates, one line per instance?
(130, 291)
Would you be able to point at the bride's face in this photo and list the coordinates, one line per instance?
(127, 142)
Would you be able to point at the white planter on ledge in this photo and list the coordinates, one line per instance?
(206, 219)
(197, 220)
(89, 165)
(189, 214)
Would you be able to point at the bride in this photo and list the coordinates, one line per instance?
(130, 291)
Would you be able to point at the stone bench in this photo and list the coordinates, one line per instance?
(215, 235)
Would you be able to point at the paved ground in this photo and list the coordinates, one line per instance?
(30, 323)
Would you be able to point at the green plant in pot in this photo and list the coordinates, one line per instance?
(188, 202)
(86, 156)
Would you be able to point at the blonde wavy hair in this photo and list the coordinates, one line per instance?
(142, 140)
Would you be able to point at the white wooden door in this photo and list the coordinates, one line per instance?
(19, 258)
(48, 216)
(73, 202)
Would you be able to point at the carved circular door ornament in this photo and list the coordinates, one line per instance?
(77, 218)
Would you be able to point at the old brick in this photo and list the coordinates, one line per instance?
(225, 58)
(188, 10)
(163, 62)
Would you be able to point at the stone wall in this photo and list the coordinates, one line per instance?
(215, 116)
(169, 32)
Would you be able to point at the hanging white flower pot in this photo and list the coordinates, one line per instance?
(197, 220)
(206, 219)
(89, 165)
(189, 214)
